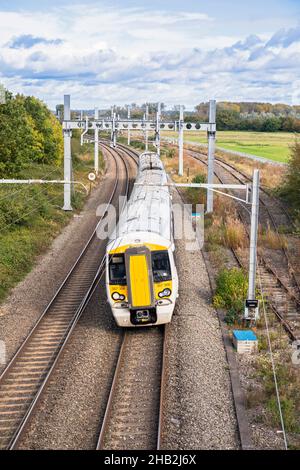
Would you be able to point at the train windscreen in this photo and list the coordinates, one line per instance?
(161, 266)
(117, 271)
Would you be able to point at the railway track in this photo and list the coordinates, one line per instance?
(276, 210)
(277, 275)
(26, 376)
(134, 155)
(133, 415)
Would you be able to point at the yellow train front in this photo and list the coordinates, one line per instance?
(141, 276)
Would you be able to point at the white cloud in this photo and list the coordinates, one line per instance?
(101, 55)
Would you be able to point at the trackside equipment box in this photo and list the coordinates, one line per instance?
(244, 341)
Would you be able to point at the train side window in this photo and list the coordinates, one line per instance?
(117, 270)
(161, 266)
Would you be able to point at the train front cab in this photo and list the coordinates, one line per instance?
(142, 285)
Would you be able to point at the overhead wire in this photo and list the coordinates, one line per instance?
(273, 362)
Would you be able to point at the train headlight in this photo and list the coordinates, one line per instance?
(164, 293)
(117, 296)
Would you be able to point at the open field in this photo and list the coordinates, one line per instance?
(272, 145)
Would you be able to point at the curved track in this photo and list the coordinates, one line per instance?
(27, 374)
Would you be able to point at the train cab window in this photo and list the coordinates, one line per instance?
(117, 271)
(161, 266)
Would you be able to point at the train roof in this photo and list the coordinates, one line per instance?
(149, 207)
(149, 161)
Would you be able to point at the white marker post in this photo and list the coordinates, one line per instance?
(67, 155)
(128, 132)
(180, 142)
(251, 308)
(211, 155)
(96, 163)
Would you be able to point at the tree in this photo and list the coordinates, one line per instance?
(252, 116)
(29, 132)
(271, 124)
(227, 120)
(19, 141)
(291, 188)
(47, 127)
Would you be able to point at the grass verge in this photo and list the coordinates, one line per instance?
(31, 217)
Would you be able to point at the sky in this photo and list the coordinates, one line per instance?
(118, 52)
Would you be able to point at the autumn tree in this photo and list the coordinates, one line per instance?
(47, 127)
(19, 141)
(291, 188)
(29, 133)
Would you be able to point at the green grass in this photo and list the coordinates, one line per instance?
(31, 217)
(271, 145)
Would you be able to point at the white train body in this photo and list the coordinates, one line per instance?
(141, 276)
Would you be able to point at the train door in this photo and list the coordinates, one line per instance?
(140, 286)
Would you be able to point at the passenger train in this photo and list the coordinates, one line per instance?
(141, 276)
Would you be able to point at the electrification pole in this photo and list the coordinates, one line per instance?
(96, 163)
(128, 132)
(157, 137)
(146, 133)
(251, 309)
(112, 128)
(67, 155)
(211, 134)
(180, 142)
(114, 131)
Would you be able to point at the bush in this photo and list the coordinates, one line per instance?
(235, 236)
(231, 292)
(288, 411)
(171, 153)
(273, 240)
(288, 385)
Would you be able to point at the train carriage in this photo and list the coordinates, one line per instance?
(141, 276)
